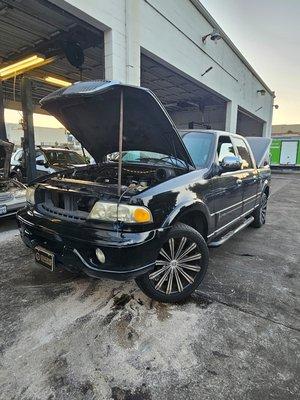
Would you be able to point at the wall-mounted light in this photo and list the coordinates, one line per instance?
(214, 36)
(22, 66)
(57, 81)
(262, 92)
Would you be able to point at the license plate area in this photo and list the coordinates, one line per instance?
(45, 258)
(3, 210)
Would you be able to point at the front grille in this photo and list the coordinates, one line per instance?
(64, 204)
(6, 196)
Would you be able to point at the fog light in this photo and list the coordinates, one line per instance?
(100, 255)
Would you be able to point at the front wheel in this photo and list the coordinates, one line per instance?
(180, 266)
(261, 212)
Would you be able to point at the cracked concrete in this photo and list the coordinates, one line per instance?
(66, 337)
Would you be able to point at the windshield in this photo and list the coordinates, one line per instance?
(64, 157)
(139, 156)
(199, 145)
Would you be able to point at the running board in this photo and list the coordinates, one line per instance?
(228, 235)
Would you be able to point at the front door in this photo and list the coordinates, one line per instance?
(248, 175)
(228, 189)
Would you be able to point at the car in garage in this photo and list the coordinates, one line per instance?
(12, 193)
(151, 214)
(48, 161)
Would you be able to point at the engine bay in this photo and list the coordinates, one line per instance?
(135, 178)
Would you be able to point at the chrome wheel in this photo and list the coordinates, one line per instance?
(263, 209)
(178, 263)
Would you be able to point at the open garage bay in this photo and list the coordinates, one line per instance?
(66, 337)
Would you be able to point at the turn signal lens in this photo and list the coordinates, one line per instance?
(142, 214)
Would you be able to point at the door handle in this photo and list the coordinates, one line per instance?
(239, 181)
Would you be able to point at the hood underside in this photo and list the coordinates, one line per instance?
(6, 149)
(260, 148)
(91, 112)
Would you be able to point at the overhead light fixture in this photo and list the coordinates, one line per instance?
(262, 92)
(57, 81)
(214, 36)
(22, 66)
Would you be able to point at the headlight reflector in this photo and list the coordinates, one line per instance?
(20, 193)
(126, 213)
(30, 195)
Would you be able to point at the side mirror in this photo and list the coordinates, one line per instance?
(230, 163)
(42, 163)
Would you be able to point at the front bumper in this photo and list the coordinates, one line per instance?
(127, 255)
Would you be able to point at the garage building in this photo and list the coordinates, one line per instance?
(173, 47)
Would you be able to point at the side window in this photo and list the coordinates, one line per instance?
(39, 156)
(243, 152)
(225, 148)
(19, 156)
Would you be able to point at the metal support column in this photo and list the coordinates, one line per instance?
(29, 147)
(3, 134)
(121, 127)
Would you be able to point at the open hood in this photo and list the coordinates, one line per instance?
(91, 112)
(6, 149)
(260, 148)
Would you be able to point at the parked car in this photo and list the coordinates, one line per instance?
(180, 193)
(48, 161)
(12, 193)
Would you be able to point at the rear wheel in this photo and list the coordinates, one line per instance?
(261, 212)
(180, 266)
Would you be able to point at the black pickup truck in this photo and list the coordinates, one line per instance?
(156, 198)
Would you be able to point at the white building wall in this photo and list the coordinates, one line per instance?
(43, 135)
(171, 30)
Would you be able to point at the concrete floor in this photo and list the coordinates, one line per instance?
(64, 337)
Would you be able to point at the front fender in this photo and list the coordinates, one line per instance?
(185, 207)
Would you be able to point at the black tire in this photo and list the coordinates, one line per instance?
(260, 212)
(184, 278)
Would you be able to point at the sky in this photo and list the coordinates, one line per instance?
(267, 32)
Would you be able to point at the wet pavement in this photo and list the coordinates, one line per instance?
(69, 337)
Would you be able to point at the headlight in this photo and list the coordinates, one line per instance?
(125, 213)
(30, 195)
(20, 193)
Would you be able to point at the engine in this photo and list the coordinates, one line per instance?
(137, 177)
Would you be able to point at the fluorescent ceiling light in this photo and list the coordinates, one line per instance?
(57, 81)
(22, 66)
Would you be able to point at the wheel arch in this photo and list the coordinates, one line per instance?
(266, 188)
(194, 214)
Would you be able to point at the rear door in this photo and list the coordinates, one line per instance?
(228, 191)
(249, 175)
